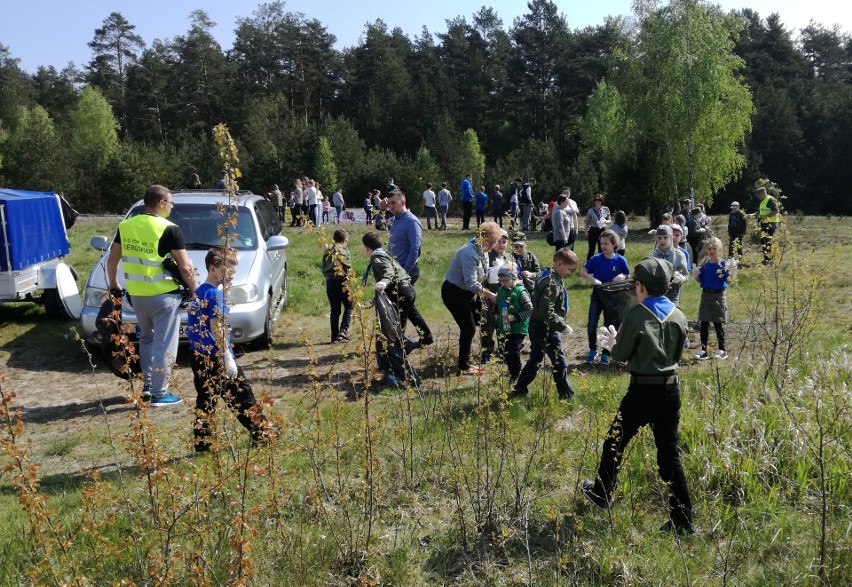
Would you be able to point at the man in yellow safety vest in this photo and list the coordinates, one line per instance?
(141, 244)
(769, 215)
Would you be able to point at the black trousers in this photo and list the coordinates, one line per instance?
(402, 296)
(337, 297)
(467, 208)
(464, 307)
(705, 334)
(210, 385)
(594, 238)
(767, 231)
(512, 345)
(658, 406)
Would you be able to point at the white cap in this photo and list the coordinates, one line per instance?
(735, 204)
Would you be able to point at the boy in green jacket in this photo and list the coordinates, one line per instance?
(514, 308)
(550, 308)
(651, 342)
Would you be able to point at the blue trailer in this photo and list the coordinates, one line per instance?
(33, 245)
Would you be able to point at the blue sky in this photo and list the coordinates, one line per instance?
(54, 32)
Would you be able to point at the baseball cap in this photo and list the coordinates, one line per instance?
(507, 270)
(519, 237)
(759, 190)
(664, 230)
(677, 227)
(654, 273)
(735, 204)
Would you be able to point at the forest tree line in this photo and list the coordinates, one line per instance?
(628, 108)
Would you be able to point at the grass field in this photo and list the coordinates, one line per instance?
(448, 483)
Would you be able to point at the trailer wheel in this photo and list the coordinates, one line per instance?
(53, 306)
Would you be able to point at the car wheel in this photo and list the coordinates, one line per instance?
(53, 306)
(264, 341)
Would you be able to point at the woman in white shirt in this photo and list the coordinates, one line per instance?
(596, 220)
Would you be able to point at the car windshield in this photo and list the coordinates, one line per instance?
(203, 226)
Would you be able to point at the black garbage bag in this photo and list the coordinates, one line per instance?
(391, 345)
(121, 357)
(69, 214)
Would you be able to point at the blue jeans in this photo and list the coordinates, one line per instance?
(526, 212)
(544, 341)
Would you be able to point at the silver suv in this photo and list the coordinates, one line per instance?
(259, 290)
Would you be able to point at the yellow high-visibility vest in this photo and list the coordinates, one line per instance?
(143, 265)
(767, 215)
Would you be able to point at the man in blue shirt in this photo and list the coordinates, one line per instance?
(467, 200)
(406, 235)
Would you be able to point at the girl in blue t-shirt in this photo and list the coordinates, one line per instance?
(714, 274)
(603, 268)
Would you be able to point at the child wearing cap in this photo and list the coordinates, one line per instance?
(713, 274)
(603, 268)
(737, 226)
(651, 342)
(666, 250)
(498, 257)
(514, 307)
(550, 309)
(528, 266)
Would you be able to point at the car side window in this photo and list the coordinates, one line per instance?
(268, 219)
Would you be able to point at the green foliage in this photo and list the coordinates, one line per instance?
(33, 158)
(325, 170)
(129, 170)
(92, 138)
(696, 127)
(538, 159)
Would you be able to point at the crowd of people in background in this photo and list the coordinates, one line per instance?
(493, 285)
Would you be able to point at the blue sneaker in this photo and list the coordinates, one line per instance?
(166, 400)
(592, 355)
(605, 358)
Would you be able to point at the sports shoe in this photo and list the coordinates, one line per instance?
(671, 528)
(720, 354)
(604, 358)
(410, 345)
(392, 380)
(592, 355)
(476, 371)
(343, 335)
(588, 490)
(701, 356)
(426, 340)
(166, 400)
(146, 392)
(517, 393)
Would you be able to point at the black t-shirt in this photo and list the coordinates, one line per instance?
(171, 240)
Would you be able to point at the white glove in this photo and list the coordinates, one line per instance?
(596, 281)
(619, 277)
(702, 230)
(380, 287)
(696, 269)
(733, 263)
(678, 278)
(606, 337)
(230, 365)
(568, 330)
